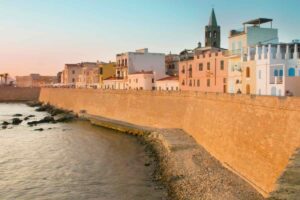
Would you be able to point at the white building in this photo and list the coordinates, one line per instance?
(277, 69)
(169, 83)
(114, 83)
(143, 80)
(140, 60)
(239, 41)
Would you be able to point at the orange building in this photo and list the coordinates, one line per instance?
(205, 68)
(205, 71)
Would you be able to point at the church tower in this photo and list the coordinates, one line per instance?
(212, 32)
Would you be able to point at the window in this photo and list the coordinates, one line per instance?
(280, 72)
(259, 74)
(183, 69)
(208, 82)
(208, 66)
(191, 71)
(190, 83)
(275, 72)
(224, 80)
(73, 80)
(183, 82)
(198, 83)
(239, 45)
(233, 46)
(222, 65)
(152, 80)
(215, 34)
(248, 72)
(73, 71)
(172, 88)
(194, 82)
(291, 72)
(201, 67)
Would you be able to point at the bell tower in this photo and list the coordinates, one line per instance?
(212, 32)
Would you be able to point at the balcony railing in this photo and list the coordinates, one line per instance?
(276, 80)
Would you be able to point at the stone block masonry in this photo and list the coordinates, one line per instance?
(14, 94)
(255, 137)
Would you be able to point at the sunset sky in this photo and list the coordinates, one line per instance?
(40, 36)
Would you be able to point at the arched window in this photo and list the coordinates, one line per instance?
(275, 72)
(248, 89)
(248, 72)
(215, 34)
(281, 72)
(291, 72)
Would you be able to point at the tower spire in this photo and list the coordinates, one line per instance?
(212, 32)
(212, 20)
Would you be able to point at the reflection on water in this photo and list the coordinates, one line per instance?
(71, 161)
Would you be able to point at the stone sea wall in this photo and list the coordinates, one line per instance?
(255, 137)
(9, 94)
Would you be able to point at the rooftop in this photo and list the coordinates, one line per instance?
(212, 20)
(169, 78)
(258, 21)
(142, 72)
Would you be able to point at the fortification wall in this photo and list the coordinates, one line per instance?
(253, 136)
(8, 94)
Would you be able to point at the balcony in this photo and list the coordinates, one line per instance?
(234, 53)
(276, 80)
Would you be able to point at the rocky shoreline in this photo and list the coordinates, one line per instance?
(187, 170)
(55, 116)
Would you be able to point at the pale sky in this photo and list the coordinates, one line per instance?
(40, 36)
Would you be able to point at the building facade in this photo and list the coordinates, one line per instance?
(35, 80)
(141, 60)
(106, 70)
(239, 40)
(205, 68)
(170, 83)
(70, 74)
(172, 64)
(143, 80)
(89, 76)
(275, 70)
(114, 83)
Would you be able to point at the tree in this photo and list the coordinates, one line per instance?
(1, 77)
(5, 78)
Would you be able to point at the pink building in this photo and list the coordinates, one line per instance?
(205, 71)
(205, 68)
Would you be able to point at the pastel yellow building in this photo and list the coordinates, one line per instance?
(106, 70)
(252, 34)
